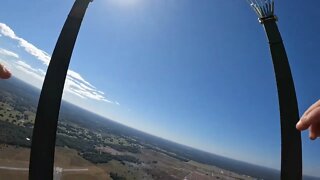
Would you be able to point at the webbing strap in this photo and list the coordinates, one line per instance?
(45, 127)
(291, 150)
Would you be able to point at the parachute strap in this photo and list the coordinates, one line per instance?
(45, 126)
(291, 149)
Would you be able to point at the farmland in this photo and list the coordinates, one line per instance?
(108, 150)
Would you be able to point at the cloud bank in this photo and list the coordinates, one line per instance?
(28, 47)
(75, 83)
(5, 52)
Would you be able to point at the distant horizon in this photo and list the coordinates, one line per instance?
(150, 133)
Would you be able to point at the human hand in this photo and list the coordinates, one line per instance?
(4, 72)
(311, 119)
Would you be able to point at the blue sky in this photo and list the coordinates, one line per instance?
(196, 72)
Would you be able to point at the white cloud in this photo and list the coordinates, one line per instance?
(25, 65)
(76, 75)
(8, 53)
(31, 49)
(26, 68)
(75, 83)
(7, 31)
(28, 47)
(42, 72)
(80, 89)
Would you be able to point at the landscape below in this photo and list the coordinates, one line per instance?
(107, 149)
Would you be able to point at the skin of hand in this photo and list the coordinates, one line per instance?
(311, 120)
(4, 72)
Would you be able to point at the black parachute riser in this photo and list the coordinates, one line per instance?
(45, 126)
(291, 149)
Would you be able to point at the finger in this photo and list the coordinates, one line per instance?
(4, 72)
(312, 117)
(312, 107)
(314, 131)
(312, 136)
(302, 125)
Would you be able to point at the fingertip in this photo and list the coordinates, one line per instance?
(301, 125)
(4, 72)
(312, 134)
(312, 138)
(298, 126)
